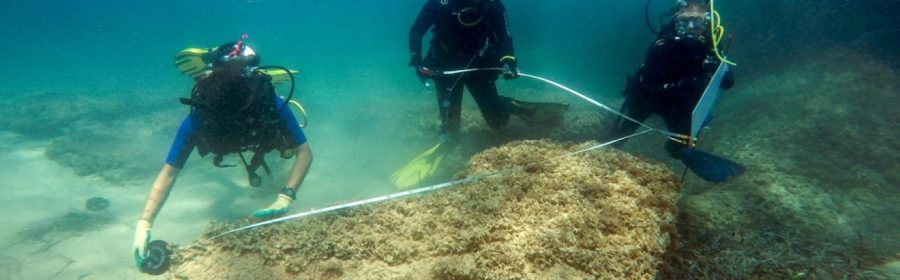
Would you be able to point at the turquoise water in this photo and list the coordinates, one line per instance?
(91, 107)
(352, 58)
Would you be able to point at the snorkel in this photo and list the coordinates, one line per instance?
(291, 75)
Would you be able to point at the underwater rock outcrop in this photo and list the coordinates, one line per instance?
(603, 215)
(96, 134)
(812, 204)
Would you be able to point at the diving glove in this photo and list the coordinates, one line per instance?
(511, 67)
(280, 206)
(141, 239)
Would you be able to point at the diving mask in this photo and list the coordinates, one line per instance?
(241, 53)
(691, 24)
(237, 51)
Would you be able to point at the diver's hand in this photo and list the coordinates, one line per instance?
(141, 239)
(280, 206)
(421, 72)
(415, 60)
(426, 74)
(511, 68)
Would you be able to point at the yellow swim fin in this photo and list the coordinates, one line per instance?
(419, 168)
(194, 62)
(278, 75)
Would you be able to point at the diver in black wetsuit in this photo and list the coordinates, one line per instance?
(675, 73)
(470, 34)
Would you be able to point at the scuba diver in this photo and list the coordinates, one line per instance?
(670, 83)
(234, 109)
(467, 34)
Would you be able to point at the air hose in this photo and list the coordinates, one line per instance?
(302, 112)
(716, 32)
(459, 17)
(288, 99)
(288, 71)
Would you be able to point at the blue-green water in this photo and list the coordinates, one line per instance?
(91, 106)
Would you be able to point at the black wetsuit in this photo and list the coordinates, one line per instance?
(466, 35)
(669, 84)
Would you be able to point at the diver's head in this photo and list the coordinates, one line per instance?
(235, 52)
(691, 20)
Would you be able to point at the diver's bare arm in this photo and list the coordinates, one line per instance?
(301, 165)
(160, 192)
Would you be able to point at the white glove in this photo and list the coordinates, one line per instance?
(141, 239)
(280, 206)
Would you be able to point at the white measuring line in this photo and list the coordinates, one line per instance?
(578, 94)
(365, 201)
(410, 192)
(460, 181)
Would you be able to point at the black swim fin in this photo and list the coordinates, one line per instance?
(538, 112)
(710, 167)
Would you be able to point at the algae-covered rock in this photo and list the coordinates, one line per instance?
(603, 215)
(819, 195)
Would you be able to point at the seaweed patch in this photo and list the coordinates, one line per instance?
(575, 217)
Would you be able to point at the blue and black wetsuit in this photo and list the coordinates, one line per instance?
(187, 139)
(669, 84)
(467, 34)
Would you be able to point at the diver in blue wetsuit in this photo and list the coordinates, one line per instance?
(675, 73)
(234, 109)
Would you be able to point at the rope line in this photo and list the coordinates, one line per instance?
(470, 178)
